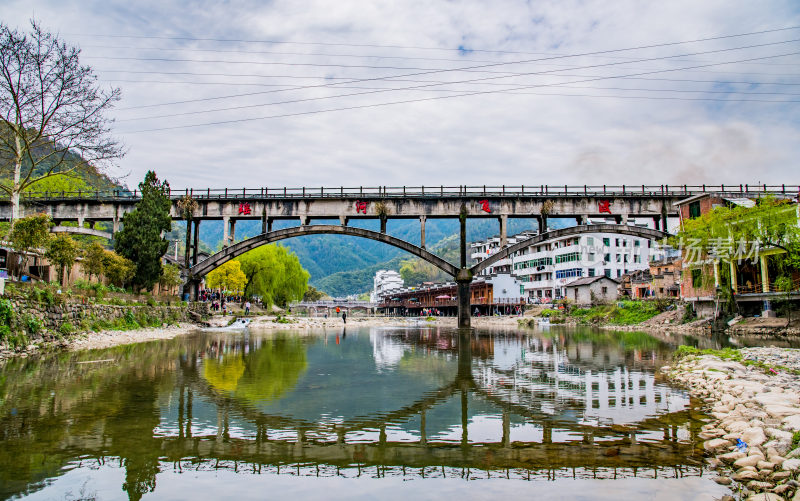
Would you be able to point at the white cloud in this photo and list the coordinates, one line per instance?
(533, 137)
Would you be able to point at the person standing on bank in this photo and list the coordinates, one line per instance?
(344, 316)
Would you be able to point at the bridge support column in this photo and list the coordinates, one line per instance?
(196, 244)
(264, 223)
(233, 230)
(542, 221)
(269, 224)
(422, 220)
(582, 219)
(463, 281)
(187, 243)
(503, 230)
(657, 222)
(343, 220)
(226, 225)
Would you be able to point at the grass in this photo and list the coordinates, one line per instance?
(620, 313)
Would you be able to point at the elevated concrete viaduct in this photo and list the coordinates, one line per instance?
(267, 205)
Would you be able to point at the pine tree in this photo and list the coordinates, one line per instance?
(141, 238)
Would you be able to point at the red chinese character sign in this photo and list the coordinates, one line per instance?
(485, 206)
(361, 207)
(604, 206)
(244, 209)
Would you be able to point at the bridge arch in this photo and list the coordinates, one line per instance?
(621, 229)
(235, 250)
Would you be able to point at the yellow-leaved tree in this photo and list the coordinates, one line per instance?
(228, 277)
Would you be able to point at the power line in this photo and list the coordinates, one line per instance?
(490, 78)
(460, 50)
(408, 101)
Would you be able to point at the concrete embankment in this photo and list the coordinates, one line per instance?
(753, 399)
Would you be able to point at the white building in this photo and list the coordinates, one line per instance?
(385, 281)
(547, 267)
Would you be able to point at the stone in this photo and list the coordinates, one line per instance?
(730, 457)
(779, 434)
(792, 422)
(715, 444)
(765, 465)
(745, 476)
(781, 489)
(755, 485)
(791, 465)
(780, 411)
(795, 453)
(747, 461)
(765, 496)
(723, 480)
(754, 436)
(781, 475)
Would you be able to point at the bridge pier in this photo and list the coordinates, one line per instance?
(196, 241)
(422, 220)
(503, 230)
(464, 277)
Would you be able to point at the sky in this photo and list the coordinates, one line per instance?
(355, 93)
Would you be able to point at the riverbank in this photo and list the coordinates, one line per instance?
(753, 400)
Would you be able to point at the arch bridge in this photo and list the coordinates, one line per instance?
(462, 274)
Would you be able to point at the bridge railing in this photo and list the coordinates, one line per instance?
(667, 190)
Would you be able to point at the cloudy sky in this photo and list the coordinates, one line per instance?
(355, 92)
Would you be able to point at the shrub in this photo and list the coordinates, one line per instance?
(66, 328)
(33, 325)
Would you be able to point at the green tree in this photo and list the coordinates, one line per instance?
(140, 239)
(273, 273)
(312, 294)
(170, 276)
(228, 277)
(58, 183)
(94, 260)
(62, 252)
(52, 108)
(117, 269)
(31, 233)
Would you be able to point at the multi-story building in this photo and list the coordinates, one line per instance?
(546, 268)
(384, 282)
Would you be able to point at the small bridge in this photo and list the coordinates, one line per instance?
(78, 230)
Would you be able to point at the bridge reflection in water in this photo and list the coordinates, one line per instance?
(413, 403)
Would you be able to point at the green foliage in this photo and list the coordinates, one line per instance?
(66, 328)
(117, 269)
(312, 294)
(140, 239)
(30, 233)
(273, 273)
(688, 314)
(770, 223)
(734, 355)
(32, 325)
(170, 276)
(94, 260)
(56, 184)
(62, 251)
(228, 277)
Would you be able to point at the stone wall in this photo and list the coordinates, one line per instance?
(52, 318)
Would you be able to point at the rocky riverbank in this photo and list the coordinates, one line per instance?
(753, 398)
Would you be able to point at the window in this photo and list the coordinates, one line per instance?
(607, 258)
(607, 272)
(576, 241)
(565, 258)
(604, 290)
(694, 209)
(619, 273)
(616, 242)
(591, 272)
(619, 258)
(572, 272)
(591, 257)
(607, 242)
(625, 258)
(589, 241)
(636, 243)
(637, 258)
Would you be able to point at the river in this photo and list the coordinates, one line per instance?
(390, 413)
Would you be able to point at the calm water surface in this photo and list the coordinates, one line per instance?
(387, 413)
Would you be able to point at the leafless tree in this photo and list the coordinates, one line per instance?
(52, 112)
